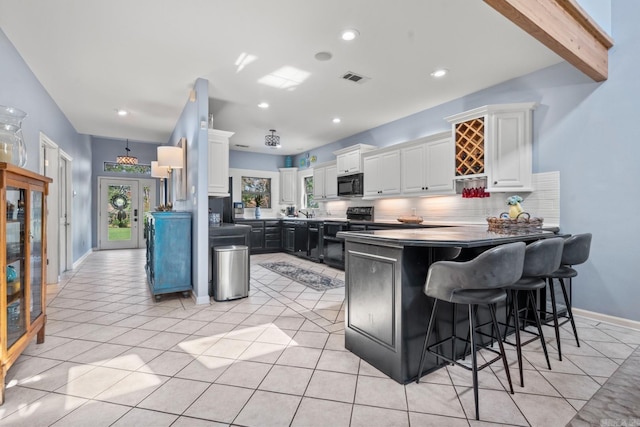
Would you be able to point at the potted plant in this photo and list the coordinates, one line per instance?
(258, 199)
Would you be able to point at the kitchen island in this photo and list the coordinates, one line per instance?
(386, 310)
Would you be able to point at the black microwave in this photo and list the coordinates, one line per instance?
(351, 185)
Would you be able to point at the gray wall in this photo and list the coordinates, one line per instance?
(106, 150)
(257, 161)
(188, 127)
(20, 88)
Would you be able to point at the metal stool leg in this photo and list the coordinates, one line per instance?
(531, 297)
(569, 312)
(474, 358)
(492, 310)
(516, 319)
(426, 338)
(555, 317)
(509, 308)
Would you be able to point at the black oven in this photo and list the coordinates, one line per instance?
(332, 246)
(351, 185)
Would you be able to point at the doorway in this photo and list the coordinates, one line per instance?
(65, 197)
(56, 164)
(122, 205)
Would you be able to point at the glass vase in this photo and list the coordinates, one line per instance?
(12, 146)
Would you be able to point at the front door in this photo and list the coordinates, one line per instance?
(123, 203)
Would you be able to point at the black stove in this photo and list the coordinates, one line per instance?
(360, 213)
(333, 246)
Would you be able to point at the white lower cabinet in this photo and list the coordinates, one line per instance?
(428, 166)
(381, 174)
(218, 165)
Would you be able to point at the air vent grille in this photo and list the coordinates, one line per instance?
(355, 77)
(241, 146)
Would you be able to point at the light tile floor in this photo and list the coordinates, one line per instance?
(115, 357)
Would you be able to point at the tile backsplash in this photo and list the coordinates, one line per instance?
(543, 202)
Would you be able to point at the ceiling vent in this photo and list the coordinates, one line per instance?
(241, 146)
(356, 78)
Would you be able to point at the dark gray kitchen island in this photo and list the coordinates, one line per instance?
(386, 311)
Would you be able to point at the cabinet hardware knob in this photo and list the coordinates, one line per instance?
(426, 188)
(495, 182)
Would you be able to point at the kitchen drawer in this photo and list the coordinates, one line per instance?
(272, 244)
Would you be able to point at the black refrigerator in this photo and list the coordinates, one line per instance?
(223, 205)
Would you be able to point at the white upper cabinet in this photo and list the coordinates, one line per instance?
(381, 173)
(218, 165)
(428, 166)
(325, 181)
(288, 185)
(349, 160)
(495, 141)
(318, 182)
(331, 182)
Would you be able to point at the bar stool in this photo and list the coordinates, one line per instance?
(480, 281)
(575, 251)
(541, 259)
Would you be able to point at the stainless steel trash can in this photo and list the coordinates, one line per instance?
(231, 272)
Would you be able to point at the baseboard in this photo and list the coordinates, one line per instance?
(203, 299)
(618, 321)
(79, 261)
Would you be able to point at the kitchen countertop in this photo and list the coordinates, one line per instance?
(391, 222)
(227, 225)
(466, 236)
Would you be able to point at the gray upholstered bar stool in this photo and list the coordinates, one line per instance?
(480, 281)
(575, 251)
(541, 259)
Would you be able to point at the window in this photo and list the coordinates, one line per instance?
(133, 169)
(308, 193)
(256, 192)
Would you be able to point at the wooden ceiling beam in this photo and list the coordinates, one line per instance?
(565, 28)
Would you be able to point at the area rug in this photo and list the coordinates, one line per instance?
(309, 278)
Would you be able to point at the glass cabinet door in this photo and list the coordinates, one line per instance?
(15, 271)
(35, 256)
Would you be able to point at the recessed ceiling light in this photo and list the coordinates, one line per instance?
(349, 35)
(439, 73)
(263, 105)
(336, 120)
(121, 112)
(323, 56)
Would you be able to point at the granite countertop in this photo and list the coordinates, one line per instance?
(466, 236)
(391, 222)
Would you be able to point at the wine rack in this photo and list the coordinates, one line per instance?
(470, 147)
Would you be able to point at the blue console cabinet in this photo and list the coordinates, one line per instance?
(169, 252)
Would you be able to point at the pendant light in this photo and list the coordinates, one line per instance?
(273, 140)
(127, 159)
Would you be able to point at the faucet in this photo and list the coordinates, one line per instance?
(306, 214)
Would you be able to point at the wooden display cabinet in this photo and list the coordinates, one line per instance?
(23, 257)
